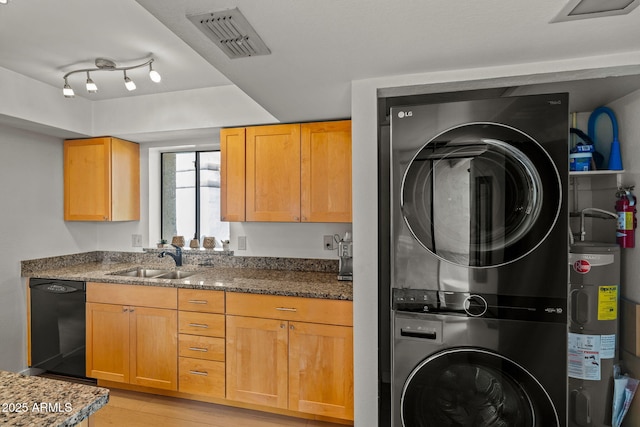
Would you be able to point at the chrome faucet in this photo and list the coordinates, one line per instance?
(177, 257)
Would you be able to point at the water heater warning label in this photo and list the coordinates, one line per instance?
(584, 357)
(607, 302)
(586, 353)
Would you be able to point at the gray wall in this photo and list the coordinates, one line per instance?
(31, 226)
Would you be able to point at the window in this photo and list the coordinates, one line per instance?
(190, 200)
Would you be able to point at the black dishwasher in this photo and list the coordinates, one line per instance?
(58, 326)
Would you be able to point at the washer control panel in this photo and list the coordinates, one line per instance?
(480, 305)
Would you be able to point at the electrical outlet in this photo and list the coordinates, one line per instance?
(328, 243)
(136, 240)
(242, 243)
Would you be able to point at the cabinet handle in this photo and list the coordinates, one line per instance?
(286, 309)
(281, 325)
(295, 218)
(198, 325)
(198, 301)
(204, 374)
(204, 350)
(131, 310)
(291, 327)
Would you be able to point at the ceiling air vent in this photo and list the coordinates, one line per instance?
(231, 31)
(584, 9)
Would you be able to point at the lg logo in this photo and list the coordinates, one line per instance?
(403, 114)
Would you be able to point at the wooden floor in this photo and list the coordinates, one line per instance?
(131, 409)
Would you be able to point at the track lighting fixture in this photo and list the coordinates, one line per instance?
(103, 64)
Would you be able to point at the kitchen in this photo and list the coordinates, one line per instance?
(33, 119)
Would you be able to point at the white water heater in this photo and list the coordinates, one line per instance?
(594, 283)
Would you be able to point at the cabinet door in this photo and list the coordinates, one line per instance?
(125, 180)
(154, 347)
(326, 172)
(321, 369)
(108, 342)
(273, 173)
(87, 179)
(232, 174)
(257, 361)
(101, 180)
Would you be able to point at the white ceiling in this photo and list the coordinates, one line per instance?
(318, 47)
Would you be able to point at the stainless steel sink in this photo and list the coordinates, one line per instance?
(152, 273)
(176, 274)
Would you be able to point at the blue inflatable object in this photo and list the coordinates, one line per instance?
(615, 159)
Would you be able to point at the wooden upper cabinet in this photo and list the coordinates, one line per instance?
(273, 173)
(101, 180)
(232, 174)
(287, 173)
(326, 172)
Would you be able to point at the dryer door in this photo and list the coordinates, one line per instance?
(481, 195)
(474, 387)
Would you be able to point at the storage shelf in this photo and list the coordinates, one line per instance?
(598, 172)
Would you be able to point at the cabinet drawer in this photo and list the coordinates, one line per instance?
(313, 310)
(138, 295)
(201, 300)
(193, 323)
(198, 347)
(201, 377)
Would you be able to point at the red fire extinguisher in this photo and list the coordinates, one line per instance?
(627, 223)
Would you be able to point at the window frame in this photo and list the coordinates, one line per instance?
(197, 219)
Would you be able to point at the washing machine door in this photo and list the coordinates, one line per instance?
(467, 387)
(481, 195)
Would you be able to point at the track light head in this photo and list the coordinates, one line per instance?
(91, 86)
(128, 83)
(67, 91)
(153, 74)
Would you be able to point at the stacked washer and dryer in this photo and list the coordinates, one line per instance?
(479, 260)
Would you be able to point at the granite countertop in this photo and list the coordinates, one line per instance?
(309, 284)
(42, 402)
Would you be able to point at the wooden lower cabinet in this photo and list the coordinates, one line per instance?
(132, 335)
(108, 342)
(199, 376)
(299, 366)
(134, 345)
(201, 342)
(321, 369)
(267, 352)
(257, 358)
